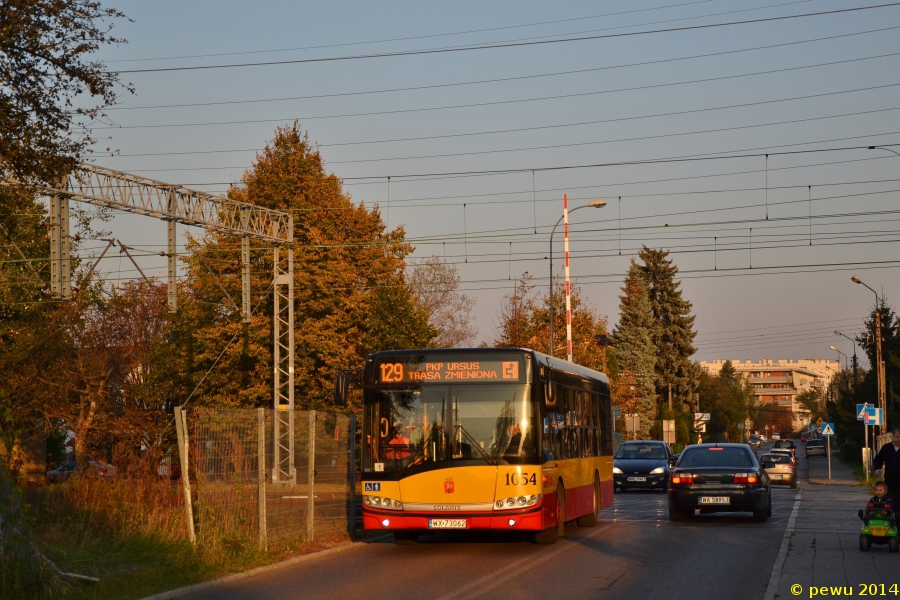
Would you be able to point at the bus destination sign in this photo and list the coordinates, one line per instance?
(425, 371)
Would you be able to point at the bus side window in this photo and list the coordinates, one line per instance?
(605, 426)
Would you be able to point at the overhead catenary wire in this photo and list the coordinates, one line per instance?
(368, 180)
(493, 103)
(480, 47)
(417, 37)
(537, 76)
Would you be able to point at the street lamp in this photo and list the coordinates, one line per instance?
(566, 213)
(855, 363)
(839, 357)
(879, 366)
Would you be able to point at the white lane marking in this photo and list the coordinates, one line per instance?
(491, 581)
(775, 578)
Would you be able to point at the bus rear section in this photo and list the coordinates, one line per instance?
(459, 440)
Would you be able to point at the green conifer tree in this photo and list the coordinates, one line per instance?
(633, 342)
(674, 333)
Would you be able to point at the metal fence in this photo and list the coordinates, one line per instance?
(233, 497)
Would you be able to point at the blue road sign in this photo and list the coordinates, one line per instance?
(875, 417)
(863, 409)
(828, 429)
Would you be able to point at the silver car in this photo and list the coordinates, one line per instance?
(780, 467)
(815, 448)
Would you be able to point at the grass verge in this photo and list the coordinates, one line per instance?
(130, 533)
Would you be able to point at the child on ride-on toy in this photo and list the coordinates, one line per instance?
(879, 521)
(881, 495)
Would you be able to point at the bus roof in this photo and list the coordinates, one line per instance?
(555, 364)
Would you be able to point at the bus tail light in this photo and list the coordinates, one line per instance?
(682, 479)
(746, 478)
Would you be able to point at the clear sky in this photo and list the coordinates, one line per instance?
(813, 219)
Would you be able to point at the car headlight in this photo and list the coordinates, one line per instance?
(657, 471)
(617, 470)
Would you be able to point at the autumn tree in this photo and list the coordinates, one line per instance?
(30, 321)
(351, 292)
(436, 286)
(525, 323)
(51, 91)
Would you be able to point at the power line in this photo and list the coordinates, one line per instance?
(492, 103)
(497, 80)
(419, 37)
(477, 47)
(376, 179)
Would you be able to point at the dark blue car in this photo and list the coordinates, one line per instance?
(642, 464)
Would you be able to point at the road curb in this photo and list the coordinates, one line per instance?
(777, 568)
(205, 585)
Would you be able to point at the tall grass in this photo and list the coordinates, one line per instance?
(130, 532)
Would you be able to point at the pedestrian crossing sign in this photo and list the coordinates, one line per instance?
(828, 429)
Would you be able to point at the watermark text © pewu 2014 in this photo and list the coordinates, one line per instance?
(849, 591)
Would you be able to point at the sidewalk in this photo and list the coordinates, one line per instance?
(821, 543)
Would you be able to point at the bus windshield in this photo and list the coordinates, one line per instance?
(429, 425)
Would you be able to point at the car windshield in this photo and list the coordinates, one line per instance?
(783, 444)
(813, 443)
(641, 451)
(778, 459)
(716, 457)
(435, 424)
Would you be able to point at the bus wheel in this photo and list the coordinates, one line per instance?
(546, 537)
(590, 519)
(406, 538)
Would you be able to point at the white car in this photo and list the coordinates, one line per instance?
(815, 448)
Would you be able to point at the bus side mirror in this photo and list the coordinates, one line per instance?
(549, 395)
(341, 388)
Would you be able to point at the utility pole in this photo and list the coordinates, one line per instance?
(670, 397)
(880, 366)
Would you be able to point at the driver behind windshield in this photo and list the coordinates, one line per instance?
(642, 452)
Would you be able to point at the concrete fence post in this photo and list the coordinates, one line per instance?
(181, 431)
(311, 480)
(261, 475)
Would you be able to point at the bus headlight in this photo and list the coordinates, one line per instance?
(379, 502)
(518, 502)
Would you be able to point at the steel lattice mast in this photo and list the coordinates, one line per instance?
(177, 204)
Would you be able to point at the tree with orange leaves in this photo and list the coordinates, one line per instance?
(351, 294)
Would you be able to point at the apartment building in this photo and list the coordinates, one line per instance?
(778, 382)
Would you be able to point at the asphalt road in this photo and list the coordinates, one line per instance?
(633, 553)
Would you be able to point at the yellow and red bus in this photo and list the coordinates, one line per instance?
(483, 439)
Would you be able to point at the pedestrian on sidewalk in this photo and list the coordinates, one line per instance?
(887, 464)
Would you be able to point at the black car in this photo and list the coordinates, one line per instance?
(786, 445)
(642, 464)
(719, 478)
